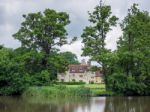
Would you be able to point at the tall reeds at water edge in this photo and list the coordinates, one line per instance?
(57, 91)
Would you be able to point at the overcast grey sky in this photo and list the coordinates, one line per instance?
(11, 16)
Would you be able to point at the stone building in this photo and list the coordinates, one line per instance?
(81, 73)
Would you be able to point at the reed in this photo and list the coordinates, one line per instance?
(57, 91)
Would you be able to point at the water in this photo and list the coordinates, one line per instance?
(95, 104)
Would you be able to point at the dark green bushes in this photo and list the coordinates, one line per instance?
(129, 72)
(21, 68)
(126, 85)
(13, 79)
(70, 83)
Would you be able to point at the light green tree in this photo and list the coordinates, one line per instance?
(94, 36)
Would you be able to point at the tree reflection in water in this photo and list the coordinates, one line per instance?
(127, 104)
(17, 104)
(96, 104)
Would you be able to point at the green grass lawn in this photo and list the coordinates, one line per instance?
(90, 86)
(95, 86)
(96, 89)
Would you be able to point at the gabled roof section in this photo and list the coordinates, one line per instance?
(77, 68)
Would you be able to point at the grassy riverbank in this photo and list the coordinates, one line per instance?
(54, 91)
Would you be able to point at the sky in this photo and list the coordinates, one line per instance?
(11, 12)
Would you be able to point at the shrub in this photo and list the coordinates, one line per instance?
(13, 79)
(70, 83)
(126, 85)
(42, 78)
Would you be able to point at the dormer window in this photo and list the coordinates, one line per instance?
(72, 70)
(80, 69)
(77, 68)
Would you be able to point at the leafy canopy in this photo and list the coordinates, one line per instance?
(130, 74)
(43, 31)
(94, 36)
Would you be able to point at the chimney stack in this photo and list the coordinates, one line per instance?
(89, 63)
(83, 62)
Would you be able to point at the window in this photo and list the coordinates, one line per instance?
(72, 70)
(81, 75)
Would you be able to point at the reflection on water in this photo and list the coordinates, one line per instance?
(127, 104)
(96, 104)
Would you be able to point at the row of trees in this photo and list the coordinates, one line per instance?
(127, 69)
(38, 60)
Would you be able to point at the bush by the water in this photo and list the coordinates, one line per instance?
(129, 66)
(13, 79)
(70, 83)
(127, 85)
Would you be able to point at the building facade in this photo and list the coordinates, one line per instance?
(80, 73)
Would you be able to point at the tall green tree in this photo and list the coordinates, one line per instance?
(94, 36)
(133, 52)
(43, 32)
(134, 44)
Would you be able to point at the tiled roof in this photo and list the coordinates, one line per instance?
(78, 68)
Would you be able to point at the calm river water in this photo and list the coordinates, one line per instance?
(95, 104)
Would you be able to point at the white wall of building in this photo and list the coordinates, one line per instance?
(86, 77)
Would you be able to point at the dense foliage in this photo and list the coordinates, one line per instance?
(38, 60)
(130, 74)
(94, 36)
(22, 67)
(127, 69)
(13, 78)
(42, 32)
